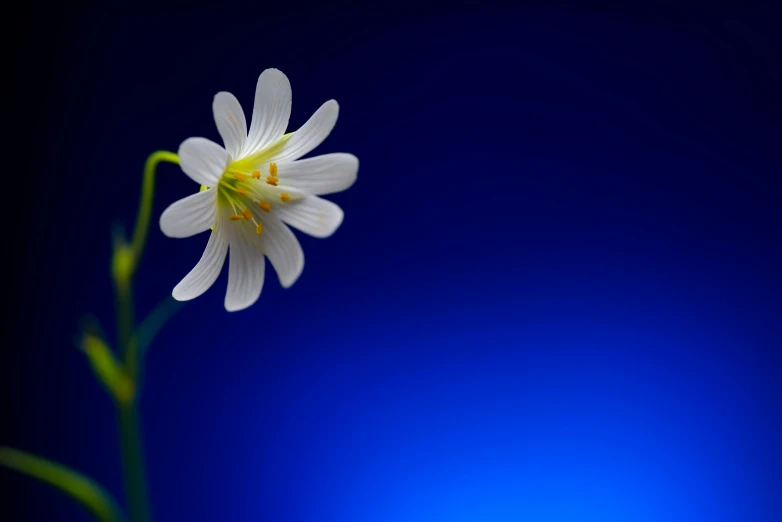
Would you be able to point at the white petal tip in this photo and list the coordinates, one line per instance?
(164, 229)
(334, 222)
(289, 282)
(238, 307)
(167, 228)
(331, 106)
(177, 294)
(274, 75)
(353, 163)
(189, 216)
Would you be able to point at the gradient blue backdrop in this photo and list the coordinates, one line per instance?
(555, 296)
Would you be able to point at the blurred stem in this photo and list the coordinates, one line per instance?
(127, 415)
(74, 484)
(126, 259)
(152, 323)
(133, 462)
(150, 326)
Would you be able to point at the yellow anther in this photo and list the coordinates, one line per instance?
(264, 206)
(241, 191)
(247, 214)
(271, 180)
(273, 169)
(236, 217)
(259, 228)
(240, 176)
(257, 174)
(285, 197)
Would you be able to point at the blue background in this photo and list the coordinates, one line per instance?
(556, 294)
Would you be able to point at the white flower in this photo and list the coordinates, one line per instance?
(255, 186)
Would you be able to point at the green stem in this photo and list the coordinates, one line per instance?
(126, 262)
(145, 205)
(127, 415)
(125, 325)
(74, 484)
(133, 462)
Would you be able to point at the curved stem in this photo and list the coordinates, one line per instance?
(127, 415)
(74, 484)
(145, 205)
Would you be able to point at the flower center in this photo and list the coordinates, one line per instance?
(248, 194)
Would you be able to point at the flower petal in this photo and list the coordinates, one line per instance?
(283, 250)
(322, 174)
(311, 134)
(229, 118)
(189, 216)
(203, 160)
(245, 268)
(208, 268)
(312, 215)
(271, 111)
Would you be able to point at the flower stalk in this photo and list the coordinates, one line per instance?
(145, 204)
(118, 374)
(252, 190)
(127, 413)
(124, 263)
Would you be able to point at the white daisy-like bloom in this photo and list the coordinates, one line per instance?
(255, 187)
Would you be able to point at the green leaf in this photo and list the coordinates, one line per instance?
(82, 489)
(152, 323)
(107, 368)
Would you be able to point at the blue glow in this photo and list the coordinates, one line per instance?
(555, 295)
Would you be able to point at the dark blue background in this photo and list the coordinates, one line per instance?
(556, 294)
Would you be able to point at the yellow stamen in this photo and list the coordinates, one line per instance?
(285, 197)
(236, 217)
(247, 214)
(264, 206)
(241, 191)
(271, 180)
(259, 228)
(273, 169)
(240, 176)
(256, 174)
